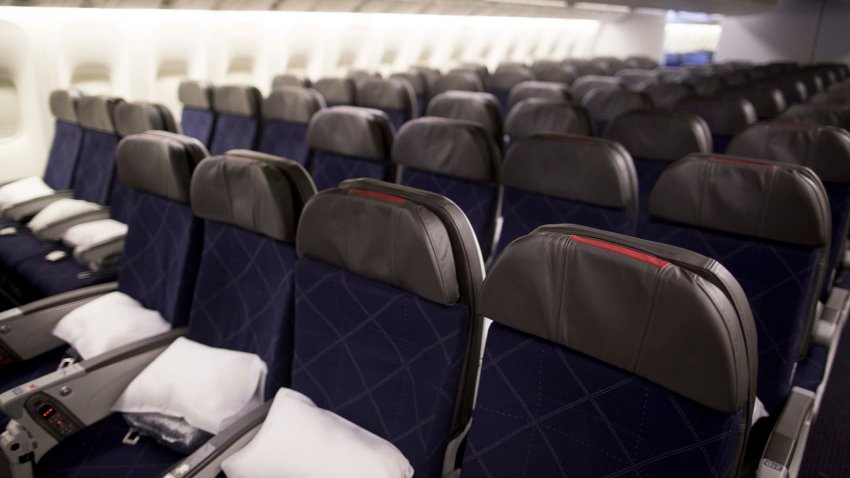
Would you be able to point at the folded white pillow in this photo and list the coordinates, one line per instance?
(22, 190)
(301, 440)
(108, 322)
(206, 386)
(59, 210)
(759, 411)
(94, 232)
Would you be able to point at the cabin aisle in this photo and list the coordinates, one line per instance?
(827, 451)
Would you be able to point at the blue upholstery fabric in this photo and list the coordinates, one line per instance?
(380, 357)
(244, 298)
(234, 132)
(778, 280)
(98, 452)
(811, 369)
(96, 167)
(477, 201)
(161, 255)
(502, 96)
(839, 207)
(421, 104)
(648, 171)
(198, 123)
(720, 143)
(544, 411)
(329, 169)
(19, 373)
(14, 249)
(121, 201)
(62, 159)
(600, 127)
(525, 211)
(285, 139)
(43, 278)
(397, 117)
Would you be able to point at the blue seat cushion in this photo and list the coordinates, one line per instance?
(285, 139)
(234, 132)
(525, 211)
(544, 410)
(383, 358)
(62, 159)
(330, 169)
(43, 278)
(244, 298)
(98, 452)
(397, 117)
(477, 201)
(778, 279)
(198, 123)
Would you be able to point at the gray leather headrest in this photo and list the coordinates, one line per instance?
(668, 315)
(661, 136)
(337, 91)
(195, 94)
(255, 191)
(385, 236)
(351, 131)
(705, 85)
(724, 115)
(506, 78)
(548, 165)
(98, 112)
(481, 108)
(585, 84)
(457, 81)
(237, 100)
(538, 89)
(605, 105)
(767, 102)
(63, 104)
(159, 163)
(293, 104)
(138, 117)
(455, 148)
(540, 115)
(824, 149)
(392, 94)
(288, 79)
(416, 81)
(768, 200)
(554, 71)
(820, 114)
(666, 95)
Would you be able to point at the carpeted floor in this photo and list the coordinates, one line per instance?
(828, 451)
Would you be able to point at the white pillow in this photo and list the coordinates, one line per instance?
(93, 232)
(107, 323)
(300, 440)
(759, 411)
(206, 386)
(23, 190)
(59, 210)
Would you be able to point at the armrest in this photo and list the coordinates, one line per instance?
(27, 209)
(834, 313)
(784, 449)
(27, 331)
(206, 461)
(102, 255)
(54, 231)
(58, 405)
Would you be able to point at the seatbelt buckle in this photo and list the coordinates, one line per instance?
(8, 231)
(132, 437)
(55, 256)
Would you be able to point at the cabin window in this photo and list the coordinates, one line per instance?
(168, 79)
(92, 79)
(10, 107)
(241, 71)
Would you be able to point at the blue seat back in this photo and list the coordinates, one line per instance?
(244, 297)
(457, 159)
(386, 330)
(237, 118)
(198, 118)
(658, 381)
(769, 224)
(350, 142)
(824, 149)
(67, 139)
(655, 140)
(556, 179)
(286, 114)
(725, 116)
(395, 97)
(163, 244)
(95, 171)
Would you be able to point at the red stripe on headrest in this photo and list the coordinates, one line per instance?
(378, 195)
(624, 251)
(743, 161)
